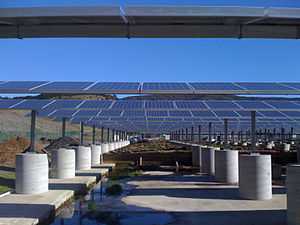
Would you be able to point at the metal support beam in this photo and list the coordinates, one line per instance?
(63, 127)
(81, 133)
(226, 131)
(108, 135)
(209, 132)
(102, 134)
(32, 131)
(199, 133)
(192, 134)
(253, 130)
(186, 134)
(94, 135)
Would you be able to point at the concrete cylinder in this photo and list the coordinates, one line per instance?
(208, 161)
(255, 177)
(227, 166)
(96, 155)
(31, 173)
(196, 155)
(293, 194)
(269, 146)
(63, 163)
(104, 148)
(83, 158)
(286, 147)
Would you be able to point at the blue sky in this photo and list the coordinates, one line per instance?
(150, 59)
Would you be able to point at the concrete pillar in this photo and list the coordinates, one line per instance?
(196, 155)
(208, 161)
(63, 163)
(31, 173)
(83, 158)
(253, 130)
(227, 166)
(255, 177)
(63, 127)
(293, 194)
(286, 147)
(96, 155)
(104, 148)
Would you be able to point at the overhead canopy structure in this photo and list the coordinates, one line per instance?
(159, 116)
(150, 22)
(89, 87)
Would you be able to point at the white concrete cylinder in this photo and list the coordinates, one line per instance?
(255, 177)
(111, 146)
(104, 148)
(31, 173)
(269, 146)
(63, 163)
(227, 166)
(83, 158)
(196, 155)
(96, 155)
(208, 161)
(293, 194)
(286, 147)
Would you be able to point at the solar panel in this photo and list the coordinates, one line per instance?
(63, 113)
(190, 104)
(210, 86)
(159, 104)
(96, 104)
(128, 104)
(166, 86)
(86, 113)
(6, 104)
(19, 86)
(292, 113)
(254, 105)
(284, 105)
(110, 113)
(225, 114)
(203, 114)
(222, 105)
(102, 87)
(247, 113)
(293, 85)
(155, 119)
(263, 86)
(159, 113)
(63, 87)
(180, 113)
(134, 113)
(271, 114)
(32, 104)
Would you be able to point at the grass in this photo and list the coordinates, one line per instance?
(122, 171)
(7, 181)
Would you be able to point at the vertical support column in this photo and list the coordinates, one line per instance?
(81, 133)
(63, 127)
(192, 134)
(186, 134)
(113, 135)
(209, 132)
(226, 132)
(32, 131)
(199, 133)
(282, 134)
(253, 130)
(102, 134)
(94, 135)
(108, 135)
(292, 133)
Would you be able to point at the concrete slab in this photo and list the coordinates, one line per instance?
(96, 172)
(79, 184)
(106, 165)
(16, 209)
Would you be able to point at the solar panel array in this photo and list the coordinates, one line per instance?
(148, 87)
(164, 115)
